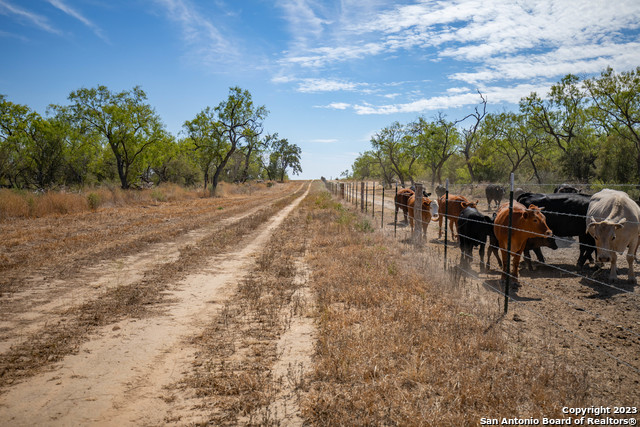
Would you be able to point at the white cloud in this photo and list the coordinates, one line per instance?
(480, 33)
(59, 4)
(324, 141)
(207, 43)
(336, 106)
(494, 95)
(39, 21)
(326, 85)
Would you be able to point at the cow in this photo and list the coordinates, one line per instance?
(402, 201)
(429, 211)
(424, 193)
(534, 244)
(613, 219)
(565, 188)
(494, 193)
(454, 206)
(566, 216)
(440, 190)
(527, 222)
(473, 229)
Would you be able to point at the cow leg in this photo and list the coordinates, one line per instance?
(405, 215)
(613, 275)
(453, 224)
(483, 266)
(516, 264)
(631, 255)
(504, 255)
(527, 259)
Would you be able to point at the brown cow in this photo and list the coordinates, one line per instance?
(456, 204)
(402, 201)
(429, 211)
(526, 223)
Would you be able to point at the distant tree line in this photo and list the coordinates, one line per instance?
(583, 131)
(105, 136)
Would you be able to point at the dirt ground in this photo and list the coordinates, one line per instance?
(564, 311)
(98, 310)
(153, 315)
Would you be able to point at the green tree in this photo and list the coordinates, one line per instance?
(14, 121)
(395, 145)
(563, 117)
(436, 143)
(616, 99)
(122, 121)
(471, 137)
(284, 155)
(220, 131)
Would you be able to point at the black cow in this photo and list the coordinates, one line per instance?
(534, 244)
(566, 216)
(440, 190)
(565, 188)
(494, 192)
(473, 229)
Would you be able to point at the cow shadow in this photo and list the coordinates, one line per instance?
(599, 282)
(498, 286)
(550, 271)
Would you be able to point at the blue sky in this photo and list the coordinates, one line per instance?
(332, 73)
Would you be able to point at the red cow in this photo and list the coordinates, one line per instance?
(402, 201)
(429, 211)
(526, 223)
(456, 204)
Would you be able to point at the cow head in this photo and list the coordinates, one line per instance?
(535, 222)
(464, 204)
(434, 210)
(604, 233)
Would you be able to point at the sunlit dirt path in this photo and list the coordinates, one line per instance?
(118, 376)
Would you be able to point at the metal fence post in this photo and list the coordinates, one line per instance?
(362, 195)
(395, 220)
(373, 201)
(382, 213)
(507, 267)
(446, 217)
(417, 214)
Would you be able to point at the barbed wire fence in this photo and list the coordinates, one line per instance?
(363, 196)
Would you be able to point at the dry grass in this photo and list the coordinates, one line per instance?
(24, 204)
(394, 349)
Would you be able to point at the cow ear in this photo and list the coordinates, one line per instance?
(620, 224)
(525, 215)
(591, 226)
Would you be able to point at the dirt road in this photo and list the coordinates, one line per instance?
(117, 373)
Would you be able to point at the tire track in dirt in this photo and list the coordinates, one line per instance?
(118, 377)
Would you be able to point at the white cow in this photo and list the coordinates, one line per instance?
(613, 219)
